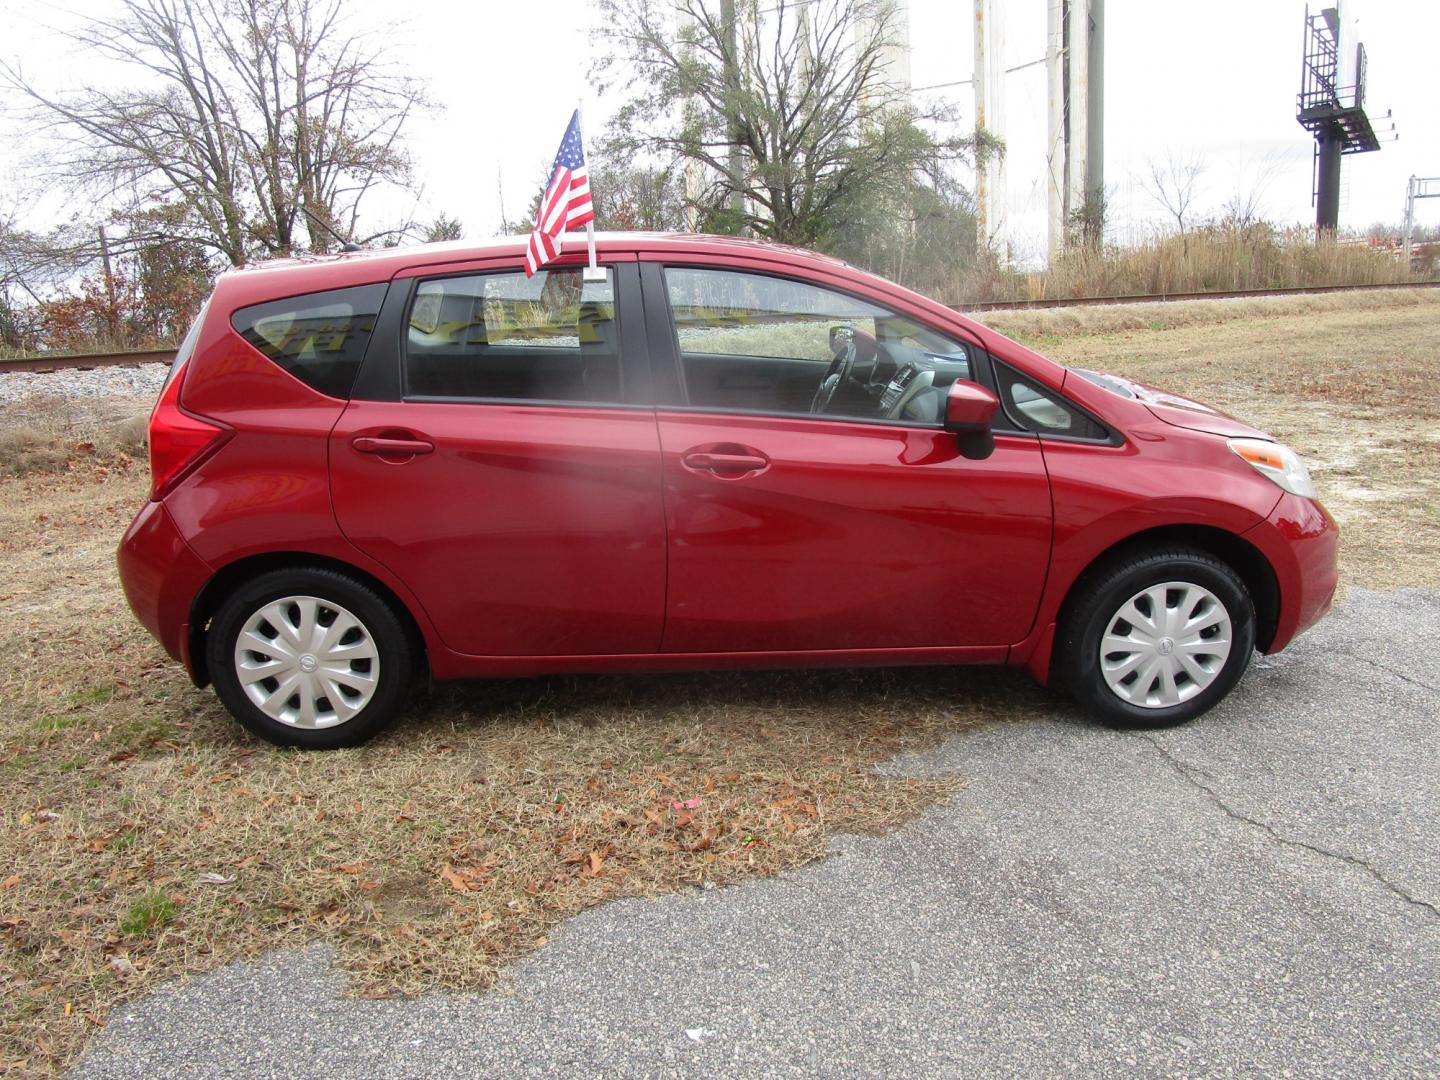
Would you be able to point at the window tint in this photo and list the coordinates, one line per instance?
(755, 343)
(552, 337)
(1036, 409)
(320, 338)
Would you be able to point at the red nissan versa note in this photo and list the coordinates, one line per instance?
(710, 454)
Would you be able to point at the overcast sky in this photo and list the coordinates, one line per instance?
(1216, 79)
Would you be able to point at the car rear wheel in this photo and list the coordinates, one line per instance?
(309, 658)
(1156, 638)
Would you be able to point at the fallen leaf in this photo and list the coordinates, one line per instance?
(596, 862)
(688, 804)
(11, 881)
(454, 880)
(351, 868)
(212, 878)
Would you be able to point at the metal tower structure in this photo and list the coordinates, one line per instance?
(1419, 187)
(1331, 106)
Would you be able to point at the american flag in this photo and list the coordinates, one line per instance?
(566, 203)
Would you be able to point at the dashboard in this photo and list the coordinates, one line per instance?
(917, 389)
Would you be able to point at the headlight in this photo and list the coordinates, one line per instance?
(1278, 463)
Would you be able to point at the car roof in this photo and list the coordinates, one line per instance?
(383, 261)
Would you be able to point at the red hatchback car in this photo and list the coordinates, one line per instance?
(711, 453)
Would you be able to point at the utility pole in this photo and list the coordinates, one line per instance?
(990, 186)
(1075, 63)
(1095, 124)
(111, 315)
(735, 159)
(1055, 114)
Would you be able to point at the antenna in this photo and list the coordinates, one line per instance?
(345, 245)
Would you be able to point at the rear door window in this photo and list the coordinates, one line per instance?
(320, 338)
(505, 337)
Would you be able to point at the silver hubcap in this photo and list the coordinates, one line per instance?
(307, 662)
(1165, 645)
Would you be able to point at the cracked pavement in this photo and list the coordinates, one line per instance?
(1253, 894)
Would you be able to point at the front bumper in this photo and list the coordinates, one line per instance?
(161, 576)
(1302, 543)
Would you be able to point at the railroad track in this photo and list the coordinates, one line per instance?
(90, 361)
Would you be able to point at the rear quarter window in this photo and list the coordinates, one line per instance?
(320, 337)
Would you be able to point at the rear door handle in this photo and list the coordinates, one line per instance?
(725, 462)
(370, 444)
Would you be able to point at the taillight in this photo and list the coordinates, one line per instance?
(179, 441)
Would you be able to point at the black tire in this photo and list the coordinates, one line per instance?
(1098, 601)
(377, 619)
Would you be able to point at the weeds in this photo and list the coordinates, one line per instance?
(149, 914)
(1212, 258)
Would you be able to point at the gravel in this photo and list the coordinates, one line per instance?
(1252, 894)
(140, 381)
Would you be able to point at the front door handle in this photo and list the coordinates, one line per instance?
(372, 444)
(724, 462)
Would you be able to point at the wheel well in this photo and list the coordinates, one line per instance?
(231, 576)
(1235, 551)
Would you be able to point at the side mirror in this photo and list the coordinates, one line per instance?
(969, 408)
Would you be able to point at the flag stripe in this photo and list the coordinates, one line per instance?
(565, 204)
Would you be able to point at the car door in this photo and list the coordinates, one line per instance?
(499, 456)
(846, 530)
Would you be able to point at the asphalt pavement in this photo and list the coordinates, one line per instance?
(1256, 894)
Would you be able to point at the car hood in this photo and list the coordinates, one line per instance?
(1177, 410)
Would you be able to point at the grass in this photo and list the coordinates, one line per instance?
(1214, 257)
(143, 835)
(150, 914)
(48, 434)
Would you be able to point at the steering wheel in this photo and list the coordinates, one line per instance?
(842, 346)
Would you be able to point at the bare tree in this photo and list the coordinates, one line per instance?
(1246, 205)
(784, 106)
(245, 112)
(1171, 183)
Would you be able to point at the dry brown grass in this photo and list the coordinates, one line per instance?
(49, 434)
(432, 857)
(143, 835)
(1212, 258)
(1349, 381)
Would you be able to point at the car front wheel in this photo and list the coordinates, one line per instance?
(1157, 638)
(309, 658)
